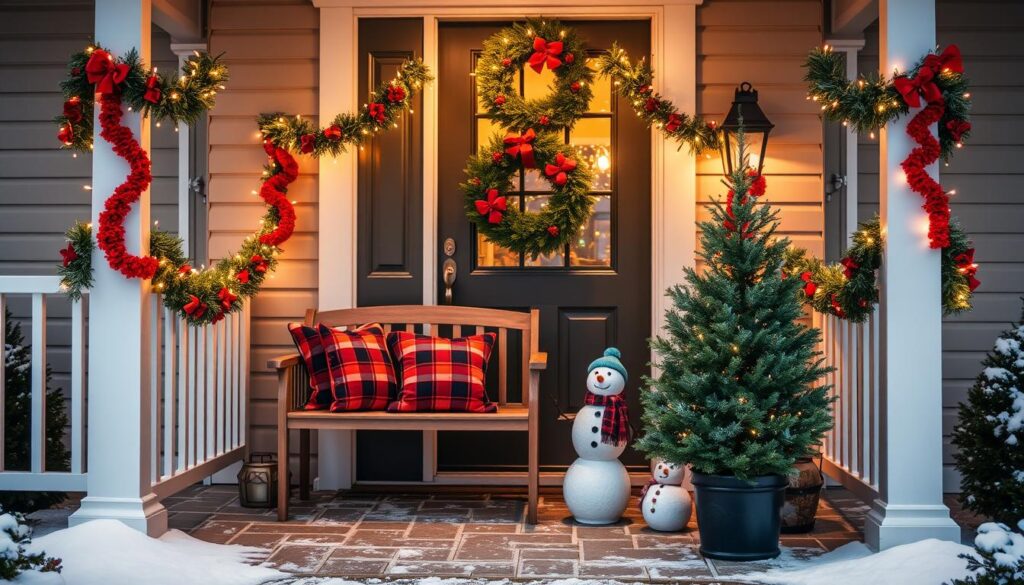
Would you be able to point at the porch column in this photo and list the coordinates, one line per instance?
(909, 507)
(119, 468)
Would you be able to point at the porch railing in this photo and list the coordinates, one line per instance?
(851, 449)
(198, 388)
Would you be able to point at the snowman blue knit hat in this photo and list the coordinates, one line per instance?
(611, 359)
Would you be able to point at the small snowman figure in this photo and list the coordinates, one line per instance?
(596, 486)
(665, 504)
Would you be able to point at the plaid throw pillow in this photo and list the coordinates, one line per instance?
(362, 376)
(441, 375)
(307, 340)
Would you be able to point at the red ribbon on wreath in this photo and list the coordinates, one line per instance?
(559, 170)
(493, 207)
(273, 193)
(520, 146)
(545, 53)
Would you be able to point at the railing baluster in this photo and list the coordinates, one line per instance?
(202, 371)
(154, 386)
(876, 396)
(210, 445)
(77, 386)
(243, 369)
(38, 383)
(184, 372)
(219, 416)
(170, 387)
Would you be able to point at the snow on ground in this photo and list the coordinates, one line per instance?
(106, 552)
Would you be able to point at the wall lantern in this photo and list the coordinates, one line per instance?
(747, 114)
(257, 482)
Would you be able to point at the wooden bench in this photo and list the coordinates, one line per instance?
(293, 387)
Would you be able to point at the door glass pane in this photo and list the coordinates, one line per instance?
(490, 255)
(486, 129)
(602, 87)
(538, 85)
(594, 245)
(593, 138)
(537, 204)
(535, 181)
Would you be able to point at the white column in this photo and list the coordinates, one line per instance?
(909, 507)
(119, 326)
(184, 51)
(337, 234)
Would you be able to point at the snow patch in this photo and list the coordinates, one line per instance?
(107, 552)
(1006, 546)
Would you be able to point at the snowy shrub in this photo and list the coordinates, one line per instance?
(1000, 556)
(15, 536)
(989, 433)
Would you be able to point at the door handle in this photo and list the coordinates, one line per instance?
(449, 271)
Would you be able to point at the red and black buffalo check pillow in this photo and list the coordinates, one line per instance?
(311, 349)
(362, 377)
(441, 375)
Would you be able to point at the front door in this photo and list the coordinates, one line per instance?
(595, 293)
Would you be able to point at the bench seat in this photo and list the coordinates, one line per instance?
(508, 418)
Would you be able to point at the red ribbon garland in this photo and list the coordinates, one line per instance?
(111, 236)
(273, 193)
(520, 146)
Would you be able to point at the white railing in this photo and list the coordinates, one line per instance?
(200, 381)
(851, 448)
(199, 394)
(37, 477)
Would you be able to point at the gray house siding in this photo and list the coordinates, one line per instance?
(984, 174)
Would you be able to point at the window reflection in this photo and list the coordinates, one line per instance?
(593, 247)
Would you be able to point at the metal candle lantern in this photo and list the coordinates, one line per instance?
(802, 496)
(745, 114)
(257, 481)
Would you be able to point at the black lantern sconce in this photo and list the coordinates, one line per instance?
(756, 126)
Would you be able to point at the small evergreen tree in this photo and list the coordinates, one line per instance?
(738, 394)
(15, 559)
(17, 422)
(998, 558)
(990, 432)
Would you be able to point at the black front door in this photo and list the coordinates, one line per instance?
(593, 294)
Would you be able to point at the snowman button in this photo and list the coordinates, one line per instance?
(654, 500)
(657, 492)
(593, 429)
(597, 414)
(652, 510)
(593, 444)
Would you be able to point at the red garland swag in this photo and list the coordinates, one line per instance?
(928, 149)
(273, 193)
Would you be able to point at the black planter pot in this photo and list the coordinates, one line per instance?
(739, 520)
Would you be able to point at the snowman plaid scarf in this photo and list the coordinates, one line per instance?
(615, 422)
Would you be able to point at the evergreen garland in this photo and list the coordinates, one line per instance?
(381, 112)
(635, 83)
(739, 392)
(989, 434)
(180, 99)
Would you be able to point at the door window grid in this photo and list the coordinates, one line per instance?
(593, 137)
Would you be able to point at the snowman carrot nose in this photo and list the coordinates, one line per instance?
(600, 378)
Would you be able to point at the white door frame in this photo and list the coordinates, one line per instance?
(673, 171)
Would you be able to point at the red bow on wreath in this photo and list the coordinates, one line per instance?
(519, 146)
(849, 266)
(965, 264)
(102, 71)
(493, 207)
(69, 255)
(152, 94)
(811, 287)
(948, 60)
(922, 84)
(545, 53)
(558, 170)
(195, 308)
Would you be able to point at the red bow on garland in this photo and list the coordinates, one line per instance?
(558, 170)
(376, 111)
(152, 94)
(195, 308)
(949, 60)
(493, 207)
(259, 264)
(102, 71)
(519, 146)
(674, 122)
(965, 264)
(836, 307)
(849, 266)
(73, 109)
(243, 276)
(923, 84)
(810, 288)
(332, 133)
(396, 93)
(226, 298)
(185, 269)
(957, 128)
(307, 143)
(69, 255)
(545, 53)
(66, 134)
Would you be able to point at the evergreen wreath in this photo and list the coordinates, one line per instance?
(536, 44)
(635, 82)
(490, 177)
(381, 112)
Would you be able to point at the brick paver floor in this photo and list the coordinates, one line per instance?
(467, 533)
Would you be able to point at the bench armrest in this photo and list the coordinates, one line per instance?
(283, 361)
(539, 360)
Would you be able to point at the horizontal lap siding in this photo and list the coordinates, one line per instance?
(271, 49)
(985, 174)
(765, 43)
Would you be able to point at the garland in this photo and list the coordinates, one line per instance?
(380, 113)
(534, 139)
(635, 82)
(867, 105)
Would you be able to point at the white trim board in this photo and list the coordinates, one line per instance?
(673, 172)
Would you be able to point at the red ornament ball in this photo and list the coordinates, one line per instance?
(496, 157)
(651, 104)
(553, 231)
(544, 120)
(499, 101)
(506, 62)
(575, 87)
(569, 58)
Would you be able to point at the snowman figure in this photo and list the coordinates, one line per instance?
(596, 486)
(664, 503)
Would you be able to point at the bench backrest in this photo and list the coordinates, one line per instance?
(452, 321)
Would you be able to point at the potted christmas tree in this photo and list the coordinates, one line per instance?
(738, 397)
